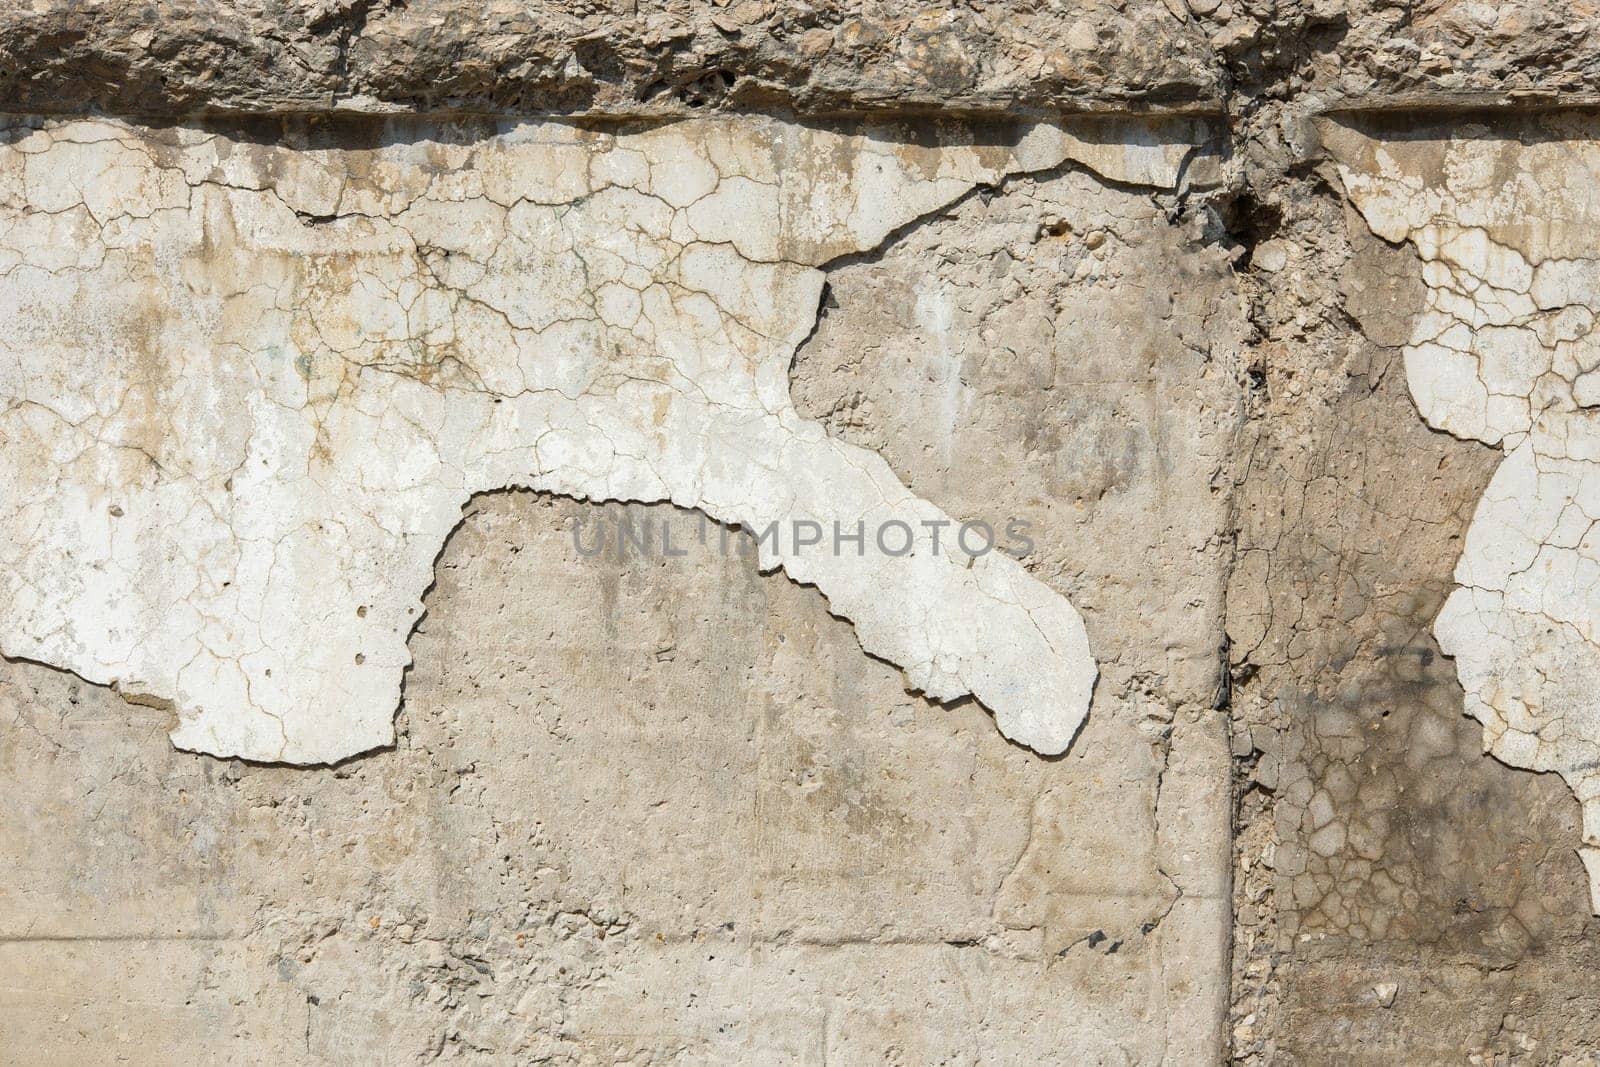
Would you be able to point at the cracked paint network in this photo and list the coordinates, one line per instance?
(1506, 351)
(245, 391)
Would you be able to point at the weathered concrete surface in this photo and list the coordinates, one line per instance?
(725, 835)
(1503, 353)
(642, 810)
(665, 809)
(1399, 897)
(234, 475)
(647, 811)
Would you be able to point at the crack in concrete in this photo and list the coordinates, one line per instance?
(302, 374)
(1502, 352)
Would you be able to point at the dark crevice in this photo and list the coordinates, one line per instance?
(1248, 222)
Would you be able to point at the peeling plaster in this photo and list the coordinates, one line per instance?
(246, 390)
(1505, 352)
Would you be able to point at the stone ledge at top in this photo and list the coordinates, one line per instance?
(664, 57)
(601, 56)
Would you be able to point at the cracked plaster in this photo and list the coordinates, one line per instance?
(1504, 351)
(247, 391)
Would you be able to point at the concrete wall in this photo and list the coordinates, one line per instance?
(331, 339)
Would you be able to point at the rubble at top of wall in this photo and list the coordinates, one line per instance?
(664, 57)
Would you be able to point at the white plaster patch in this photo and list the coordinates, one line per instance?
(1509, 236)
(246, 390)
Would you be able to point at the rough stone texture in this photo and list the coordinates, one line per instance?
(666, 56)
(662, 55)
(1318, 54)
